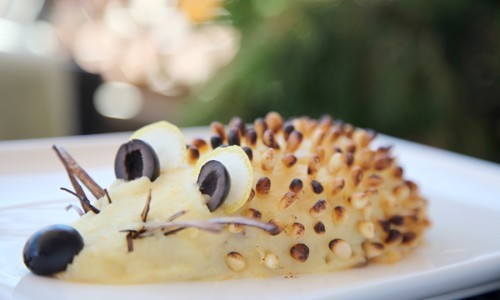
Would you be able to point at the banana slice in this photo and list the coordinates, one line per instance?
(236, 162)
(167, 141)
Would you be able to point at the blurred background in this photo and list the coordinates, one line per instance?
(426, 71)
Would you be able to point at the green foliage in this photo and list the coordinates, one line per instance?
(422, 70)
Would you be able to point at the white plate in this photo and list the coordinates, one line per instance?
(461, 255)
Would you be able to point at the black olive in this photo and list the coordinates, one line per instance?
(51, 249)
(135, 159)
(214, 181)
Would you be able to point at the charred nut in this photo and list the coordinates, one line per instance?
(233, 137)
(252, 213)
(287, 200)
(218, 128)
(340, 248)
(338, 185)
(317, 187)
(318, 208)
(289, 160)
(251, 137)
(299, 252)
(193, 154)
(237, 122)
(269, 140)
(313, 165)
(263, 186)
(294, 141)
(215, 141)
(287, 129)
(235, 261)
(296, 185)
(319, 228)
(296, 230)
(339, 214)
(278, 227)
(249, 152)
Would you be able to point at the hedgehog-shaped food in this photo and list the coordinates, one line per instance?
(273, 199)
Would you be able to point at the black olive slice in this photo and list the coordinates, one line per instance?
(135, 159)
(214, 181)
(51, 249)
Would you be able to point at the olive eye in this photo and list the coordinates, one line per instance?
(215, 182)
(226, 175)
(51, 249)
(135, 159)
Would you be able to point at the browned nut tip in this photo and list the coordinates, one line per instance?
(251, 137)
(287, 200)
(382, 162)
(340, 248)
(319, 228)
(349, 158)
(338, 185)
(200, 144)
(274, 121)
(296, 185)
(289, 160)
(268, 160)
(278, 227)
(299, 252)
(235, 261)
(294, 141)
(397, 220)
(235, 228)
(373, 249)
(356, 175)
(252, 213)
(218, 128)
(401, 191)
(313, 165)
(193, 154)
(398, 172)
(263, 186)
(317, 187)
(237, 122)
(249, 152)
(287, 129)
(251, 196)
(339, 214)
(268, 139)
(260, 126)
(233, 137)
(393, 236)
(296, 230)
(320, 152)
(374, 180)
(318, 208)
(408, 237)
